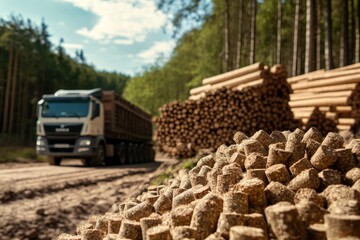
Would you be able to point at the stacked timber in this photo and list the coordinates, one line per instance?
(328, 100)
(238, 79)
(183, 128)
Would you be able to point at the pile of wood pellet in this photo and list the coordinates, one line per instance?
(183, 128)
(334, 93)
(286, 185)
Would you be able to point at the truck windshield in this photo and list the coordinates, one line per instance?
(65, 108)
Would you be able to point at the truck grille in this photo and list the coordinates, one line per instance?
(63, 130)
(62, 150)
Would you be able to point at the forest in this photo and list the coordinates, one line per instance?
(30, 66)
(213, 36)
(303, 35)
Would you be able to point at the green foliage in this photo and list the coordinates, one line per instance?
(162, 177)
(200, 51)
(187, 164)
(16, 154)
(168, 174)
(38, 67)
(194, 58)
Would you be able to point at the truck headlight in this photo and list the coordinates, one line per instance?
(85, 142)
(40, 142)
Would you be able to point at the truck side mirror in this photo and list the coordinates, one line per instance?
(95, 111)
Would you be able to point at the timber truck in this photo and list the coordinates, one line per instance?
(97, 126)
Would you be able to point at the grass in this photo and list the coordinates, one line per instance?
(19, 154)
(170, 171)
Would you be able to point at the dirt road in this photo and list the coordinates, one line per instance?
(38, 201)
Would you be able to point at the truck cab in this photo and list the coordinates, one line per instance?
(71, 125)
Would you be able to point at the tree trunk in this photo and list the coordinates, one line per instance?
(239, 38)
(20, 95)
(226, 36)
(13, 92)
(296, 37)
(253, 32)
(310, 37)
(2, 83)
(341, 50)
(25, 111)
(7, 92)
(318, 34)
(329, 64)
(357, 48)
(352, 39)
(345, 34)
(278, 46)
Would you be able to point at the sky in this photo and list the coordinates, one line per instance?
(115, 35)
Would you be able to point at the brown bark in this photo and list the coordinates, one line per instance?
(345, 34)
(357, 48)
(352, 39)
(20, 94)
(239, 37)
(296, 37)
(329, 64)
(2, 84)
(7, 92)
(310, 37)
(278, 45)
(226, 36)
(13, 92)
(24, 110)
(252, 32)
(318, 34)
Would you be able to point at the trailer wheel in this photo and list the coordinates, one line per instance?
(152, 154)
(130, 154)
(136, 154)
(54, 161)
(141, 154)
(122, 154)
(99, 158)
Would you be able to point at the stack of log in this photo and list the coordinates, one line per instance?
(183, 128)
(286, 185)
(328, 100)
(252, 75)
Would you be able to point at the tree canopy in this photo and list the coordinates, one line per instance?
(222, 40)
(30, 66)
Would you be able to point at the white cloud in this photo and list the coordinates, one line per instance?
(123, 41)
(121, 21)
(72, 46)
(163, 48)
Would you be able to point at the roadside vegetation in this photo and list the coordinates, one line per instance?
(19, 154)
(31, 65)
(163, 177)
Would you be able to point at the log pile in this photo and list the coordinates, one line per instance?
(286, 185)
(328, 100)
(183, 128)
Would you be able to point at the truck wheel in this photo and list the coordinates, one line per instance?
(129, 154)
(99, 158)
(136, 154)
(152, 154)
(140, 154)
(54, 161)
(121, 154)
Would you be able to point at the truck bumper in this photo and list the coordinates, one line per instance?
(82, 147)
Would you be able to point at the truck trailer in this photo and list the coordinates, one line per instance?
(97, 126)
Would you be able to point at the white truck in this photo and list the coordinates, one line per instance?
(97, 126)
